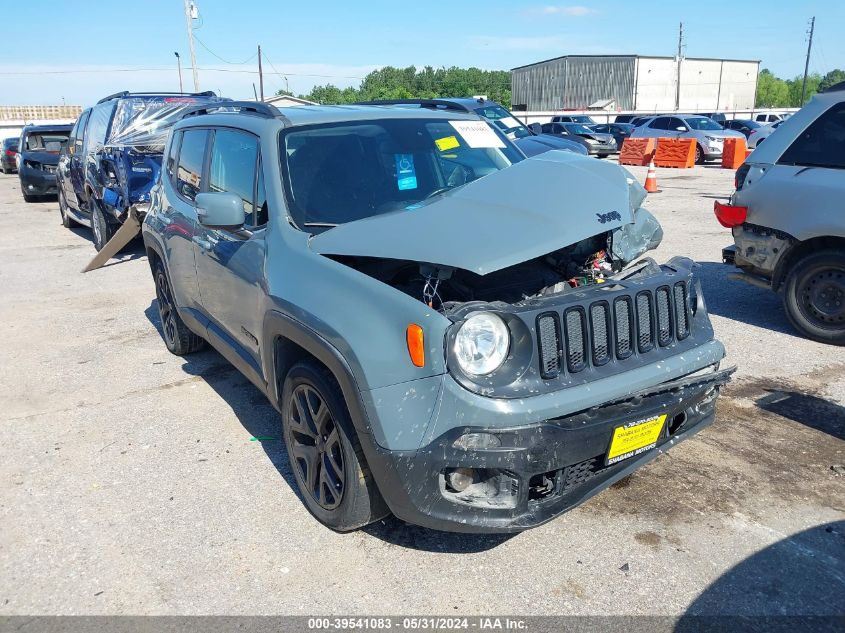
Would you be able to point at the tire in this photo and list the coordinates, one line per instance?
(102, 229)
(6, 170)
(814, 296)
(178, 339)
(324, 452)
(67, 221)
(699, 155)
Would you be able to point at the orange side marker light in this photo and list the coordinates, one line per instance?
(416, 344)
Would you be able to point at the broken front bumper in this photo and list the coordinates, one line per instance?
(530, 474)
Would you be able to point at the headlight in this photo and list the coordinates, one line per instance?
(713, 139)
(482, 344)
(591, 140)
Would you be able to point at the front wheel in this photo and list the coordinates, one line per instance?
(324, 451)
(699, 155)
(814, 296)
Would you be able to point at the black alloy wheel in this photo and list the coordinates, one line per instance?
(315, 447)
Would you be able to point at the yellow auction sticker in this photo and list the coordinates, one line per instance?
(634, 438)
(446, 143)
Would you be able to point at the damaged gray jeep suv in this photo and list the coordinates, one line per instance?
(451, 332)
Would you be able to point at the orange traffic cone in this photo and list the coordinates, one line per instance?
(651, 178)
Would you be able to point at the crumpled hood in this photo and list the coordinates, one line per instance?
(527, 210)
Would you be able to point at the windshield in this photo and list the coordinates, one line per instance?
(577, 128)
(46, 141)
(504, 120)
(147, 120)
(581, 118)
(702, 123)
(342, 172)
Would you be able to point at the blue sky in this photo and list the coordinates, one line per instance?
(129, 44)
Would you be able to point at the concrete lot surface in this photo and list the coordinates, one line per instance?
(130, 482)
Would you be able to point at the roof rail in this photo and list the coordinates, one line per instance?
(423, 103)
(126, 93)
(248, 107)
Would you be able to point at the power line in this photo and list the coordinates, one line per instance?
(225, 61)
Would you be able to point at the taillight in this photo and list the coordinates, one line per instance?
(728, 215)
(10, 152)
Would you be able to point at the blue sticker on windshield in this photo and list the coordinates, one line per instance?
(406, 175)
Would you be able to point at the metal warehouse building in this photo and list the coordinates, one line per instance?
(634, 82)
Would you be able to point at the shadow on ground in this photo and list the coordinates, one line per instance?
(263, 422)
(740, 301)
(801, 576)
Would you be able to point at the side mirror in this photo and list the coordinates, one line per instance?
(536, 128)
(220, 209)
(681, 128)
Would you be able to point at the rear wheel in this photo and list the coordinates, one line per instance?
(324, 451)
(814, 296)
(178, 339)
(67, 221)
(102, 228)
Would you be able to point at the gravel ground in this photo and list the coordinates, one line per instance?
(130, 483)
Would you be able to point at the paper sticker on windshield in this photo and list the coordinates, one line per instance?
(477, 134)
(446, 143)
(508, 122)
(406, 175)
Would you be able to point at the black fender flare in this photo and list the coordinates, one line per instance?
(279, 325)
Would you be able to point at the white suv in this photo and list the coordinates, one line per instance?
(788, 218)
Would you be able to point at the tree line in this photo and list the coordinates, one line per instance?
(429, 83)
(774, 92)
(425, 83)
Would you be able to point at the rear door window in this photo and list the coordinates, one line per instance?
(660, 123)
(189, 173)
(822, 144)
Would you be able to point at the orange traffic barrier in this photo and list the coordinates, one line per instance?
(637, 151)
(734, 153)
(651, 178)
(675, 152)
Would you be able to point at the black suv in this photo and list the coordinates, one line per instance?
(114, 157)
(39, 148)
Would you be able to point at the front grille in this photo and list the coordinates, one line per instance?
(624, 328)
(645, 340)
(664, 317)
(576, 340)
(681, 310)
(548, 338)
(599, 318)
(600, 332)
(580, 473)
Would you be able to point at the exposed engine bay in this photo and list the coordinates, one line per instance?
(581, 264)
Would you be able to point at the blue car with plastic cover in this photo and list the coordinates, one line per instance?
(114, 155)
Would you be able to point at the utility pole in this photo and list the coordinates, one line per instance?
(179, 66)
(678, 77)
(189, 10)
(807, 62)
(260, 74)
